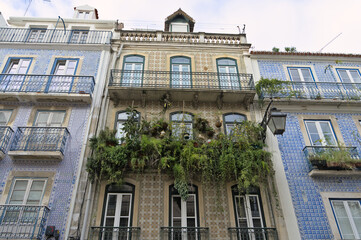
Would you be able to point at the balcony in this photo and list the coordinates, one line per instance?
(157, 37)
(26, 35)
(184, 233)
(253, 233)
(5, 136)
(39, 143)
(332, 160)
(22, 221)
(37, 88)
(207, 86)
(110, 233)
(326, 91)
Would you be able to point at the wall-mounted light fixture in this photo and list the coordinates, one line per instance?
(275, 120)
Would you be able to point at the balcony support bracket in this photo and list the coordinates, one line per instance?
(195, 102)
(219, 101)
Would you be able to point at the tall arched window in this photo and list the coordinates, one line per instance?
(228, 73)
(118, 211)
(122, 117)
(248, 213)
(132, 74)
(231, 120)
(182, 125)
(184, 216)
(181, 72)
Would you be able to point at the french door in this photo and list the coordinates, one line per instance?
(19, 67)
(64, 82)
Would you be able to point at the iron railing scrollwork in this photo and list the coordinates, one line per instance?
(184, 233)
(111, 233)
(253, 233)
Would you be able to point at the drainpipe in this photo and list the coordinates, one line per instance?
(103, 108)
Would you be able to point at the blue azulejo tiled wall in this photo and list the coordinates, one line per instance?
(305, 190)
(66, 170)
(42, 59)
(275, 69)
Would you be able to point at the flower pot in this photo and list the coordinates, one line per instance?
(319, 164)
(218, 124)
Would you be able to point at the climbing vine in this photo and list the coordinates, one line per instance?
(211, 157)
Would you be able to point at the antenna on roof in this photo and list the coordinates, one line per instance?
(333, 39)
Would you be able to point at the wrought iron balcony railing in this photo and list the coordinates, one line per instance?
(184, 233)
(22, 221)
(69, 84)
(40, 139)
(253, 233)
(193, 38)
(32, 35)
(332, 157)
(181, 80)
(5, 136)
(111, 233)
(316, 90)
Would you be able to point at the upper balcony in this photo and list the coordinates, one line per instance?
(204, 86)
(190, 38)
(39, 143)
(23, 221)
(34, 35)
(5, 136)
(31, 87)
(306, 91)
(333, 160)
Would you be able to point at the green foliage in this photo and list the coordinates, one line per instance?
(274, 49)
(275, 87)
(335, 155)
(239, 157)
(290, 49)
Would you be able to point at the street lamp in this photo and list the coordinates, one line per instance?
(275, 120)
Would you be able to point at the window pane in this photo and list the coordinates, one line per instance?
(307, 77)
(241, 211)
(231, 118)
(342, 219)
(257, 223)
(355, 76)
(181, 60)
(253, 202)
(125, 205)
(295, 75)
(228, 62)
(177, 222)
(109, 222)
(112, 202)
(4, 117)
(191, 222)
(57, 119)
(123, 222)
(190, 206)
(177, 207)
(134, 59)
(344, 76)
(182, 117)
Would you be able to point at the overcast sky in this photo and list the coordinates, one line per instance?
(307, 25)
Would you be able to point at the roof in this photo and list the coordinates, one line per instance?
(306, 54)
(177, 13)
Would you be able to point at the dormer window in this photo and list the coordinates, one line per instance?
(179, 27)
(84, 15)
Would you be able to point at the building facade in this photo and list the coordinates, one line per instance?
(317, 157)
(52, 71)
(178, 75)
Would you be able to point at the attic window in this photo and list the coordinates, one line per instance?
(179, 27)
(84, 15)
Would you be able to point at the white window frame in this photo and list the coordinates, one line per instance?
(50, 118)
(27, 191)
(179, 26)
(8, 113)
(36, 35)
(79, 36)
(356, 234)
(300, 74)
(249, 218)
(118, 209)
(352, 80)
(120, 124)
(320, 132)
(84, 14)
(184, 216)
(135, 76)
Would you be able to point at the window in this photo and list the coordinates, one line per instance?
(301, 74)
(49, 118)
(231, 120)
(83, 15)
(118, 211)
(5, 116)
(184, 214)
(320, 133)
(349, 75)
(181, 72)
(228, 74)
(182, 125)
(122, 117)
(17, 66)
(79, 36)
(64, 69)
(36, 35)
(27, 191)
(248, 213)
(348, 217)
(179, 27)
(133, 71)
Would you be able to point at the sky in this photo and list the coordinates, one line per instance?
(308, 25)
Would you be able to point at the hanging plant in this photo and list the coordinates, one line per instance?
(239, 157)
